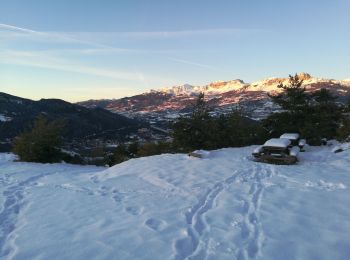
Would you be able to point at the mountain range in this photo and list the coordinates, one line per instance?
(113, 119)
(223, 96)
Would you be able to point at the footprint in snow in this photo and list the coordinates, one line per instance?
(38, 184)
(155, 224)
(118, 198)
(103, 191)
(135, 211)
(94, 179)
(74, 188)
(323, 185)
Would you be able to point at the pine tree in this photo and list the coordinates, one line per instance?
(293, 98)
(196, 131)
(294, 102)
(120, 155)
(42, 143)
(314, 115)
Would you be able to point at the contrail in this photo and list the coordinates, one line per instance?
(193, 63)
(58, 36)
(11, 27)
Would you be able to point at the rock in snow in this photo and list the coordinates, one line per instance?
(174, 207)
(200, 154)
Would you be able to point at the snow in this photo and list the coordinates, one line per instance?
(341, 147)
(225, 206)
(277, 142)
(294, 151)
(200, 153)
(236, 91)
(290, 136)
(258, 149)
(302, 142)
(213, 88)
(4, 118)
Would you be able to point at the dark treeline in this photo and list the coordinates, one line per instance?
(201, 131)
(315, 116)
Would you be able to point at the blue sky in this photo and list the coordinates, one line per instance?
(82, 49)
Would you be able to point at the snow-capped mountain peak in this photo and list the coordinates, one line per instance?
(265, 85)
(222, 95)
(216, 87)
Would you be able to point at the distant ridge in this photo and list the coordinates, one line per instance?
(220, 94)
(81, 122)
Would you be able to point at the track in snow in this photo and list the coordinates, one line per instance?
(13, 204)
(190, 245)
(251, 228)
(194, 246)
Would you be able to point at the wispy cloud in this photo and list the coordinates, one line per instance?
(84, 43)
(14, 31)
(15, 28)
(87, 37)
(90, 37)
(59, 59)
(194, 63)
(95, 42)
(188, 33)
(35, 59)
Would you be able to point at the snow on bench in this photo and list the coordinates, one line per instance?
(291, 136)
(278, 142)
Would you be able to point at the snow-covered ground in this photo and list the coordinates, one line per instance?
(224, 206)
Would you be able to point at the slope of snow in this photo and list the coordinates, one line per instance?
(224, 206)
